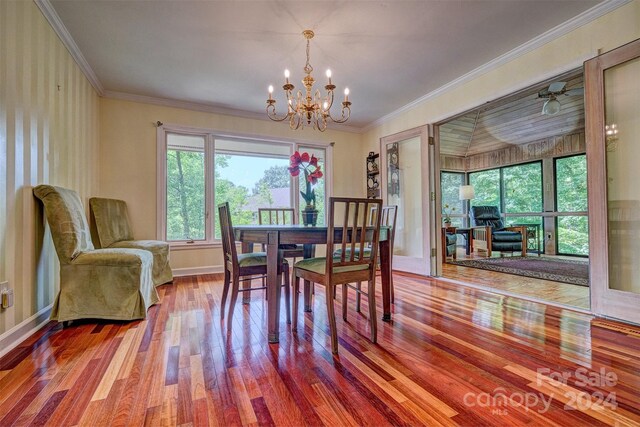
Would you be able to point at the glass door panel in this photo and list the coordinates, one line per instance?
(622, 127)
(612, 91)
(406, 186)
(405, 191)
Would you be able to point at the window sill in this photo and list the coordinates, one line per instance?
(197, 245)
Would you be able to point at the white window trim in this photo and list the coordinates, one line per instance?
(210, 136)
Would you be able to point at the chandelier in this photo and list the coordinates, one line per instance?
(308, 109)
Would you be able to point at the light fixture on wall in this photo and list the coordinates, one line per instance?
(466, 192)
(311, 109)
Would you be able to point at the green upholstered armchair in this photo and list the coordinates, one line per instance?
(94, 283)
(110, 229)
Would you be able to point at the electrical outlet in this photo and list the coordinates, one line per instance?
(6, 298)
(6, 295)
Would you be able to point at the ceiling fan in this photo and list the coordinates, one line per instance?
(555, 89)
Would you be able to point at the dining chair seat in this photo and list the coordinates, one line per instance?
(319, 265)
(252, 259)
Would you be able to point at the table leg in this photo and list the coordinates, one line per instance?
(385, 273)
(467, 246)
(246, 297)
(273, 286)
(308, 253)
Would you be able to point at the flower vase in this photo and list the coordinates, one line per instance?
(309, 216)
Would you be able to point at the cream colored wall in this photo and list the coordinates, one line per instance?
(47, 135)
(128, 158)
(607, 32)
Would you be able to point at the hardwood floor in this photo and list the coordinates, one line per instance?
(452, 356)
(545, 290)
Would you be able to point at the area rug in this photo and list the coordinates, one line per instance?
(559, 270)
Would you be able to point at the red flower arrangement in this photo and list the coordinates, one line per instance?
(312, 173)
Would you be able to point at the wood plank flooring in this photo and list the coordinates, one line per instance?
(452, 356)
(546, 290)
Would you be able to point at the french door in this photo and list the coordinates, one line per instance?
(405, 176)
(613, 151)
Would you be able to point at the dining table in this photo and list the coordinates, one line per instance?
(273, 236)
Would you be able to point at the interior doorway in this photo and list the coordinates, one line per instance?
(406, 184)
(513, 187)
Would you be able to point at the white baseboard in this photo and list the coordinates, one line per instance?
(23, 330)
(194, 271)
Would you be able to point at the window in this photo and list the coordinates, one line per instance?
(199, 170)
(522, 188)
(450, 183)
(185, 187)
(571, 198)
(486, 185)
(251, 175)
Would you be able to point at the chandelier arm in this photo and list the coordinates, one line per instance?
(344, 117)
(329, 99)
(295, 121)
(271, 113)
(322, 122)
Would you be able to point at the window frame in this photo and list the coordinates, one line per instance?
(464, 214)
(211, 135)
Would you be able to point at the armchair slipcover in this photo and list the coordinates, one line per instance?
(110, 229)
(489, 230)
(94, 283)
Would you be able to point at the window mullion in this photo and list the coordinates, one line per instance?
(210, 187)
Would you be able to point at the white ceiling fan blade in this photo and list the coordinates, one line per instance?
(575, 92)
(557, 86)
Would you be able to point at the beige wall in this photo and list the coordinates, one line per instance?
(47, 135)
(128, 158)
(607, 32)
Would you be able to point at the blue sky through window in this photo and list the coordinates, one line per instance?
(247, 170)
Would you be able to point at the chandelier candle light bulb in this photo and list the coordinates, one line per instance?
(308, 107)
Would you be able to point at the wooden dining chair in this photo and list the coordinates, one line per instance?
(388, 216)
(277, 216)
(353, 265)
(244, 267)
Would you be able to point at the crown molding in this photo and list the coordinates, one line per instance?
(59, 28)
(566, 27)
(206, 108)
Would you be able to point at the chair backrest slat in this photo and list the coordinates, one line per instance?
(357, 232)
(277, 216)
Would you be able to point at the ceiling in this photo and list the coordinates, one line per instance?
(515, 120)
(225, 53)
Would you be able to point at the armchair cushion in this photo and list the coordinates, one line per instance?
(110, 221)
(506, 236)
(486, 216)
(160, 250)
(69, 228)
